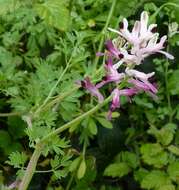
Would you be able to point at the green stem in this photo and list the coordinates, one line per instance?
(48, 105)
(57, 99)
(160, 8)
(70, 181)
(9, 114)
(168, 93)
(76, 120)
(56, 84)
(31, 168)
(167, 88)
(34, 159)
(103, 32)
(52, 90)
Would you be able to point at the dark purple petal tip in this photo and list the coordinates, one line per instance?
(121, 25)
(154, 30)
(108, 45)
(121, 56)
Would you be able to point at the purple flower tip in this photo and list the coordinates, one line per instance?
(121, 56)
(121, 25)
(92, 89)
(98, 54)
(154, 30)
(108, 45)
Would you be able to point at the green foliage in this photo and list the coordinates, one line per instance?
(156, 180)
(165, 134)
(104, 123)
(60, 166)
(173, 171)
(5, 139)
(174, 149)
(89, 177)
(82, 169)
(127, 9)
(54, 13)
(17, 159)
(130, 158)
(92, 126)
(9, 6)
(117, 169)
(153, 154)
(172, 82)
(16, 126)
(124, 163)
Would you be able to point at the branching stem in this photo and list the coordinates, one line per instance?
(103, 32)
(31, 167)
(37, 152)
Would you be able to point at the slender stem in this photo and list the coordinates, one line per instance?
(76, 120)
(31, 168)
(52, 90)
(34, 159)
(167, 92)
(56, 84)
(58, 98)
(160, 8)
(10, 114)
(48, 105)
(84, 148)
(103, 32)
(70, 181)
(167, 88)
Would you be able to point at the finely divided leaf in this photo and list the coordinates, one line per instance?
(55, 13)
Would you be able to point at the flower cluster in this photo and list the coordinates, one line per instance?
(138, 44)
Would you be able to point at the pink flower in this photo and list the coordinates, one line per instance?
(141, 81)
(129, 58)
(137, 44)
(140, 32)
(116, 93)
(145, 86)
(112, 75)
(92, 89)
(153, 47)
(137, 74)
(115, 102)
(143, 40)
(113, 51)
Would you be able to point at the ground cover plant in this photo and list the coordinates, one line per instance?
(89, 94)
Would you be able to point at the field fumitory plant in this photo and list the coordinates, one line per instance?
(138, 44)
(89, 94)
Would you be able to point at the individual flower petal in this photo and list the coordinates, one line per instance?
(128, 91)
(112, 75)
(152, 28)
(116, 99)
(92, 89)
(137, 74)
(130, 58)
(154, 47)
(116, 93)
(168, 55)
(143, 85)
(143, 22)
(100, 54)
(136, 30)
(112, 49)
(115, 102)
